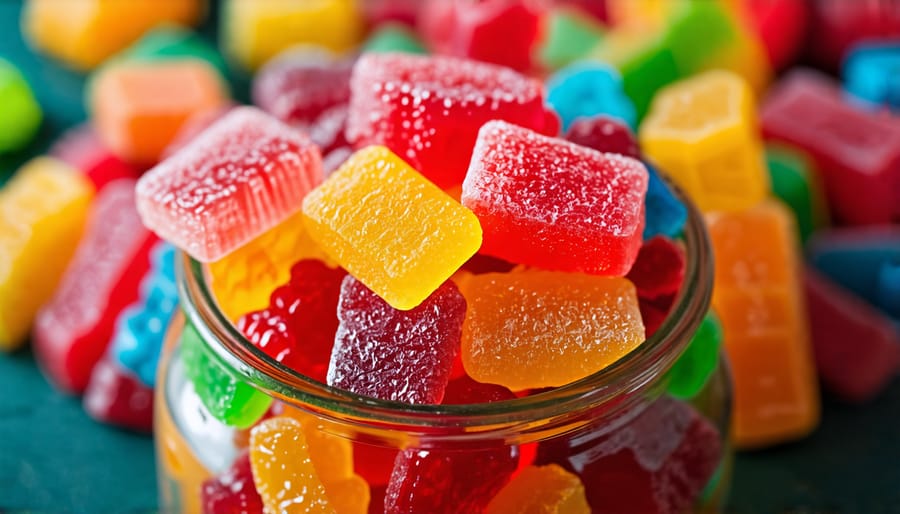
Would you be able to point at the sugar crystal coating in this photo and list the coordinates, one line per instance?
(116, 397)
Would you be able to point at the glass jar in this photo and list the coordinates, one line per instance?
(635, 447)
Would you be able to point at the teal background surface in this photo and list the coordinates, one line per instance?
(54, 458)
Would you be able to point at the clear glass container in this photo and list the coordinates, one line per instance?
(635, 448)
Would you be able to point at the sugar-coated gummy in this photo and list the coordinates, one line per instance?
(386, 353)
(665, 214)
(587, 89)
(241, 177)
(233, 491)
(604, 134)
(20, 114)
(546, 489)
(659, 268)
(81, 148)
(116, 397)
(549, 203)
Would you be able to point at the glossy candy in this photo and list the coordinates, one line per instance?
(530, 329)
(299, 324)
(604, 134)
(83, 33)
(82, 149)
(855, 152)
(587, 89)
(138, 106)
(396, 355)
(541, 490)
(232, 492)
(857, 348)
(656, 463)
(570, 35)
(659, 268)
(394, 38)
(43, 210)
(20, 114)
(241, 177)
(870, 74)
(254, 31)
(797, 185)
(141, 327)
(758, 299)
(73, 330)
(228, 399)
(374, 210)
(693, 369)
(665, 213)
(703, 132)
(549, 203)
(428, 110)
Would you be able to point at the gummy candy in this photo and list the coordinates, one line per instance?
(43, 209)
(463, 389)
(541, 490)
(531, 329)
(693, 369)
(570, 35)
(20, 114)
(780, 26)
(588, 89)
(299, 325)
(428, 109)
(393, 230)
(604, 134)
(838, 26)
(665, 214)
(797, 185)
(549, 203)
(382, 13)
(72, 331)
(254, 31)
(659, 268)
(870, 74)
(113, 396)
(83, 33)
(82, 149)
(240, 178)
(695, 30)
(173, 42)
(855, 152)
(396, 355)
(394, 38)
(232, 492)
(654, 312)
(138, 106)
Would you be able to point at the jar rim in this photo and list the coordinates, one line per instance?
(629, 375)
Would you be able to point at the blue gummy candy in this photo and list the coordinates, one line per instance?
(588, 89)
(665, 214)
(888, 293)
(872, 74)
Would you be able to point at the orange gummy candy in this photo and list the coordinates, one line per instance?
(758, 298)
(541, 490)
(532, 329)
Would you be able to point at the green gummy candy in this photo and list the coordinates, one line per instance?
(394, 38)
(692, 370)
(20, 114)
(795, 184)
(645, 73)
(569, 37)
(172, 41)
(696, 32)
(228, 399)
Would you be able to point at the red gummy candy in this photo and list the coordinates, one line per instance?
(548, 203)
(118, 398)
(72, 331)
(857, 348)
(856, 152)
(500, 32)
(374, 464)
(838, 25)
(654, 312)
(604, 134)
(232, 492)
(659, 268)
(396, 355)
(82, 148)
(298, 327)
(480, 264)
(380, 12)
(658, 463)
(781, 27)
(448, 482)
(465, 389)
(428, 110)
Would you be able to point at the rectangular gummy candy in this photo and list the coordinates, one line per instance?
(533, 329)
(239, 178)
(386, 224)
(42, 215)
(550, 203)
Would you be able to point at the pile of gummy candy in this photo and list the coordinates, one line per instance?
(420, 175)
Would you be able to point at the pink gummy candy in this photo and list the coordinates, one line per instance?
(118, 398)
(659, 268)
(552, 204)
(241, 177)
(396, 355)
(82, 149)
(72, 331)
(428, 110)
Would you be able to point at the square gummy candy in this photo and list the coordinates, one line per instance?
(386, 224)
(428, 110)
(239, 178)
(550, 203)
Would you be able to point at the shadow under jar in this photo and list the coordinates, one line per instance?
(636, 446)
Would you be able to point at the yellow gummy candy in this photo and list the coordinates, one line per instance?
(541, 490)
(243, 280)
(390, 227)
(254, 31)
(42, 215)
(83, 33)
(703, 132)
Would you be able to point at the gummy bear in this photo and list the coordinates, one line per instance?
(541, 490)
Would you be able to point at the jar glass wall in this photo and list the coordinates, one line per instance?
(635, 446)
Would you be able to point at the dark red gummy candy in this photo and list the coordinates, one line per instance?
(657, 463)
(604, 134)
(464, 389)
(654, 312)
(298, 327)
(659, 268)
(115, 397)
(232, 492)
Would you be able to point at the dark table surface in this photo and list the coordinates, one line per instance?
(54, 458)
